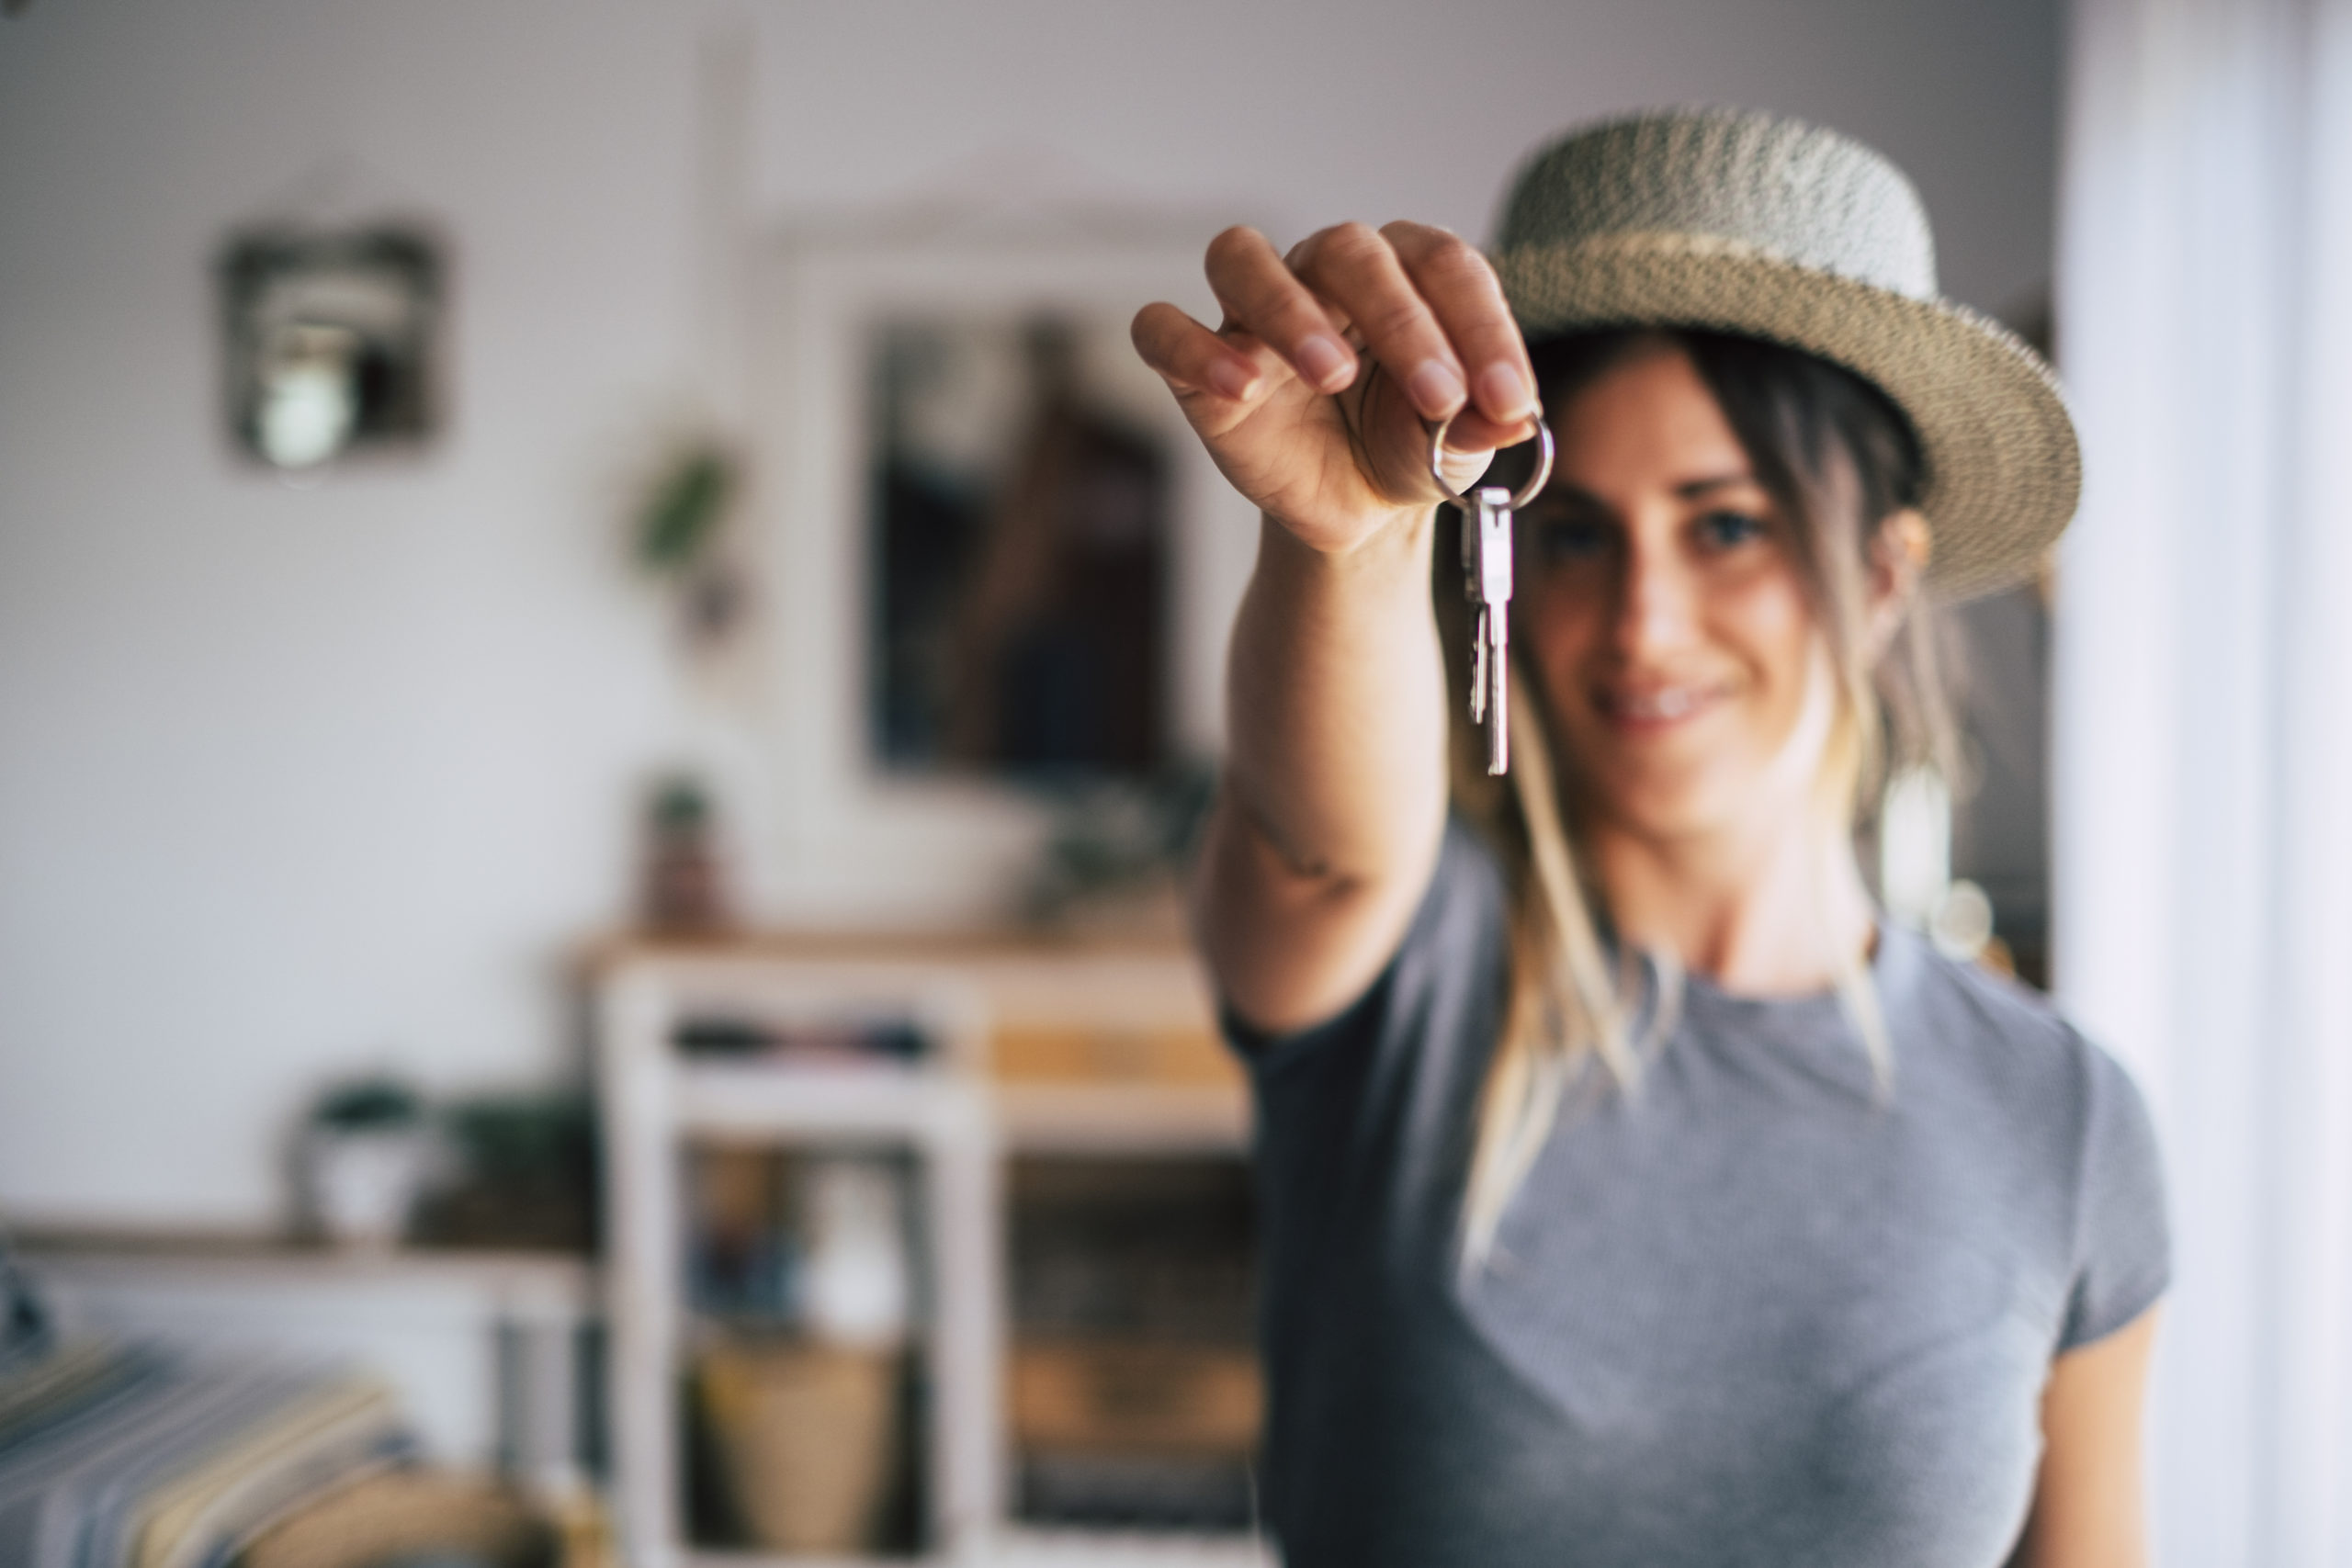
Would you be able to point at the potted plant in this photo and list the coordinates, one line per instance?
(365, 1154)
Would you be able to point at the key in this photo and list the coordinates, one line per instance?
(1486, 574)
(1486, 583)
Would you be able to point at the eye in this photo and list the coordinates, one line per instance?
(1724, 528)
(1561, 540)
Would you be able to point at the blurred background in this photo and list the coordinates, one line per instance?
(606, 661)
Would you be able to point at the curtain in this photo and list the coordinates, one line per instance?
(2203, 722)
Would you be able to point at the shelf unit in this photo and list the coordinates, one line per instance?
(1057, 1051)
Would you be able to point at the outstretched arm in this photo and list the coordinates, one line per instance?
(1335, 787)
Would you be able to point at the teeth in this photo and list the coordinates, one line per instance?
(1670, 703)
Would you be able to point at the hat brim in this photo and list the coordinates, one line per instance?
(2004, 470)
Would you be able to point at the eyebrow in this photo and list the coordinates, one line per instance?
(1689, 489)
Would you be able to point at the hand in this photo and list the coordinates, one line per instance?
(1330, 444)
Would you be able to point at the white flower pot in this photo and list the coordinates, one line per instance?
(363, 1182)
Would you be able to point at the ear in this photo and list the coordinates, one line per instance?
(1899, 552)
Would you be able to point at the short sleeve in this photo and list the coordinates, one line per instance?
(1459, 914)
(2122, 1255)
(1360, 1019)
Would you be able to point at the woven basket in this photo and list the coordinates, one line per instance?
(807, 1438)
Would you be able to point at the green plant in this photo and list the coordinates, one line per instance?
(680, 806)
(684, 509)
(369, 1105)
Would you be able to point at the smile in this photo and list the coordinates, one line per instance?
(1656, 707)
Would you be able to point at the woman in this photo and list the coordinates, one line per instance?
(1633, 1194)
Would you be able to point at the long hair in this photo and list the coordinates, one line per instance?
(1838, 459)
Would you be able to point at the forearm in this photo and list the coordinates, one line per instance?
(1335, 693)
(1335, 786)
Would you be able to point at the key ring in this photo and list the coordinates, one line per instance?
(1527, 492)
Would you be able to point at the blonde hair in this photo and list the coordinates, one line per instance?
(1839, 459)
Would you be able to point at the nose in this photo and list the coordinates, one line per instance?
(1654, 613)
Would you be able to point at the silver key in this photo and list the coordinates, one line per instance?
(1486, 582)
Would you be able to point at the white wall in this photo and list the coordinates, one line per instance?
(1308, 113)
(296, 779)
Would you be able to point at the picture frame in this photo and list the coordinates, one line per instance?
(856, 840)
(331, 340)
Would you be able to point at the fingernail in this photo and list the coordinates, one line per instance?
(1436, 390)
(1326, 364)
(1232, 379)
(1503, 393)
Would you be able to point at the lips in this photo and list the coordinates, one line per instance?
(1653, 707)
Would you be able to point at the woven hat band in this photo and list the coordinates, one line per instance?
(1806, 196)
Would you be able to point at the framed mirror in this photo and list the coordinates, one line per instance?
(997, 561)
(330, 339)
(1017, 532)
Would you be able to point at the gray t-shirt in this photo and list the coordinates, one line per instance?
(1753, 1315)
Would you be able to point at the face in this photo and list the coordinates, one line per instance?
(1660, 596)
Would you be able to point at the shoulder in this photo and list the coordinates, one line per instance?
(1456, 945)
(1978, 1027)
(1460, 923)
(1465, 910)
(1365, 1112)
(1997, 1066)
(1390, 1076)
(2001, 1059)
(1995, 1005)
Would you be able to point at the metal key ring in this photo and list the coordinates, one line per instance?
(1527, 492)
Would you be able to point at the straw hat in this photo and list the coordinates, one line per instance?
(1740, 222)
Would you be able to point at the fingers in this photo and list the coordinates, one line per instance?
(1466, 300)
(1358, 270)
(1190, 357)
(1426, 306)
(1432, 313)
(1264, 297)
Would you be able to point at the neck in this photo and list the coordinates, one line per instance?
(1773, 906)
